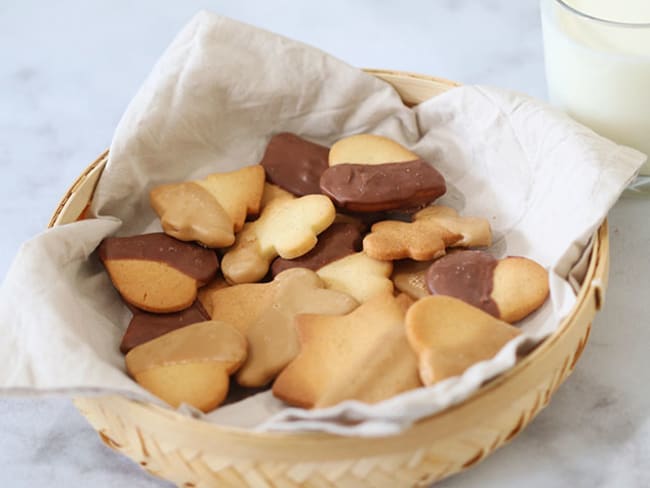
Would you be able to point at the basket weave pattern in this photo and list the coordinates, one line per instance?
(192, 453)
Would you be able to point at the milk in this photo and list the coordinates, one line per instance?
(598, 72)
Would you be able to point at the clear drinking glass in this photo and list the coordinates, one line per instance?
(597, 55)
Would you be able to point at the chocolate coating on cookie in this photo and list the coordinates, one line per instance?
(466, 275)
(294, 163)
(145, 326)
(193, 260)
(338, 241)
(390, 186)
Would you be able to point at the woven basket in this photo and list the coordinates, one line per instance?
(192, 453)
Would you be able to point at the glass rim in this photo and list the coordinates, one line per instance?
(615, 23)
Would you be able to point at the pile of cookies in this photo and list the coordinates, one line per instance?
(338, 279)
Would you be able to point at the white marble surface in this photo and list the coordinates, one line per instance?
(67, 71)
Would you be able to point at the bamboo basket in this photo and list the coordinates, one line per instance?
(195, 454)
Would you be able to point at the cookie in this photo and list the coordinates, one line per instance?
(211, 210)
(433, 230)
(286, 227)
(343, 218)
(189, 365)
(265, 312)
(449, 336)
(362, 356)
(404, 301)
(273, 192)
(338, 241)
(381, 187)
(409, 277)
(509, 289)
(473, 231)
(188, 212)
(155, 272)
(358, 275)
(145, 326)
(368, 149)
(237, 305)
(272, 337)
(294, 163)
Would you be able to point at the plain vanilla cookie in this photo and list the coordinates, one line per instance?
(287, 227)
(358, 275)
(432, 230)
(363, 356)
(449, 336)
(369, 149)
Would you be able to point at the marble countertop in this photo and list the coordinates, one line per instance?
(68, 70)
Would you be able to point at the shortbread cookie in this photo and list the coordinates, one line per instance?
(264, 313)
(338, 241)
(509, 289)
(404, 301)
(363, 356)
(189, 365)
(155, 272)
(211, 210)
(410, 277)
(272, 337)
(449, 336)
(237, 305)
(273, 192)
(473, 231)
(239, 192)
(369, 149)
(433, 230)
(145, 326)
(286, 227)
(189, 212)
(390, 186)
(358, 275)
(354, 219)
(294, 163)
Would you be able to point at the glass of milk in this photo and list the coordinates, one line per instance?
(597, 56)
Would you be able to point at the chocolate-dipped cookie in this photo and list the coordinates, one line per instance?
(156, 272)
(294, 163)
(146, 326)
(190, 365)
(509, 289)
(390, 186)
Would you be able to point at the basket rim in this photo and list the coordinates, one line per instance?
(594, 282)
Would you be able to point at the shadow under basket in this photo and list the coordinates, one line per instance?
(192, 453)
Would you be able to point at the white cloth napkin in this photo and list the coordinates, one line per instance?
(211, 103)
